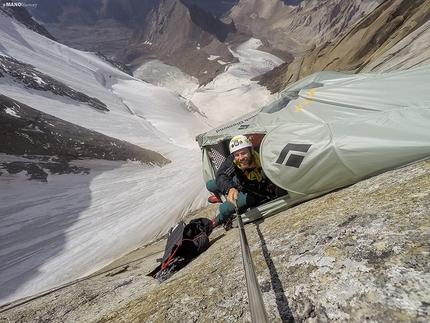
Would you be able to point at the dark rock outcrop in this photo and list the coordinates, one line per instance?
(292, 2)
(216, 7)
(26, 131)
(118, 64)
(33, 79)
(207, 22)
(38, 169)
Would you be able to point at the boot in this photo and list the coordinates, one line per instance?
(229, 224)
(214, 199)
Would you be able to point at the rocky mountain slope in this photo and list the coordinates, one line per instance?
(355, 255)
(28, 132)
(103, 25)
(193, 38)
(49, 143)
(182, 35)
(396, 35)
(96, 25)
(284, 30)
(296, 26)
(137, 30)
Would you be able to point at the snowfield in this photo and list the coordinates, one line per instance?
(55, 232)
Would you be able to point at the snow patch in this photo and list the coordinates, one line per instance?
(12, 112)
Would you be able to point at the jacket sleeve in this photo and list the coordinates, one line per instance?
(225, 174)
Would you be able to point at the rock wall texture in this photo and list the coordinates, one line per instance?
(394, 36)
(294, 26)
(184, 36)
(360, 254)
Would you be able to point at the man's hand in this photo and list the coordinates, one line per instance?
(232, 196)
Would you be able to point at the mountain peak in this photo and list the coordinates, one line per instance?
(183, 35)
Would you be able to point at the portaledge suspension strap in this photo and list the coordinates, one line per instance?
(256, 304)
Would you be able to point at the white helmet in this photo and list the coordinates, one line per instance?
(239, 142)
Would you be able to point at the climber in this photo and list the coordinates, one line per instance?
(241, 179)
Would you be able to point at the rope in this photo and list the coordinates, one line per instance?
(256, 304)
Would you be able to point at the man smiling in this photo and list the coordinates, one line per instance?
(241, 180)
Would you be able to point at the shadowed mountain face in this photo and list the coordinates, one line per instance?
(93, 25)
(89, 12)
(216, 7)
(182, 35)
(124, 29)
(189, 34)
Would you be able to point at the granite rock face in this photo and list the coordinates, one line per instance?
(394, 36)
(359, 254)
(295, 26)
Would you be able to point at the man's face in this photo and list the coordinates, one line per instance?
(243, 157)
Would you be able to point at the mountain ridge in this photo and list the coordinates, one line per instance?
(368, 41)
(179, 34)
(283, 27)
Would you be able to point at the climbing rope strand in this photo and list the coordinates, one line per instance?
(256, 304)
